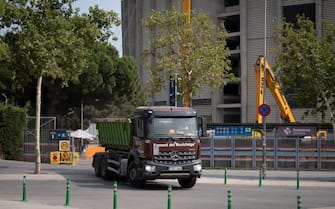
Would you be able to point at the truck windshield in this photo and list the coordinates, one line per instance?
(184, 127)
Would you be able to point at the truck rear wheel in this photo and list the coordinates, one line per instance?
(133, 175)
(187, 182)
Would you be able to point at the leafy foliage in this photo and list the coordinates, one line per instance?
(307, 63)
(109, 87)
(48, 39)
(76, 62)
(197, 51)
(12, 124)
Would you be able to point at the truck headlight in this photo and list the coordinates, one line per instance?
(197, 167)
(150, 168)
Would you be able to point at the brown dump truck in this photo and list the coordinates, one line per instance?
(159, 142)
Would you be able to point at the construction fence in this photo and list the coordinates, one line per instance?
(280, 153)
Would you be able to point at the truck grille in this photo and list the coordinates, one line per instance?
(175, 157)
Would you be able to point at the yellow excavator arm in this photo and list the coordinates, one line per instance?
(273, 85)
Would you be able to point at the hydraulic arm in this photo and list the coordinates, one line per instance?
(274, 86)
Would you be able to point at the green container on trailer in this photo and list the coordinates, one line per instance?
(115, 133)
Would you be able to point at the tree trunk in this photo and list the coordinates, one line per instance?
(332, 118)
(38, 126)
(187, 90)
(186, 93)
(333, 125)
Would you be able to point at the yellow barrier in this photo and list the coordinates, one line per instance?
(64, 157)
(54, 158)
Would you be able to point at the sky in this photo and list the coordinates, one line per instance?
(114, 5)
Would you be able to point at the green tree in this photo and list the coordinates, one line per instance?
(49, 39)
(306, 61)
(196, 50)
(109, 86)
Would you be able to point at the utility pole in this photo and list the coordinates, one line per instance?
(82, 115)
(264, 87)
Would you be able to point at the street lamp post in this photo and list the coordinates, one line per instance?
(82, 115)
(176, 90)
(81, 123)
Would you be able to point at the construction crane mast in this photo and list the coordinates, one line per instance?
(186, 89)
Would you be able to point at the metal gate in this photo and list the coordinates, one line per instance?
(46, 145)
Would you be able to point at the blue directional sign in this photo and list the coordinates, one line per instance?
(58, 135)
(233, 131)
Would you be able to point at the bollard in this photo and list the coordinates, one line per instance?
(24, 190)
(229, 200)
(298, 180)
(298, 202)
(225, 175)
(67, 201)
(115, 195)
(169, 197)
(260, 178)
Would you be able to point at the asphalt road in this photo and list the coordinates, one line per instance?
(48, 190)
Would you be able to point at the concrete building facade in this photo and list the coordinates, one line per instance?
(245, 21)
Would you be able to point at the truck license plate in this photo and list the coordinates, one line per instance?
(175, 168)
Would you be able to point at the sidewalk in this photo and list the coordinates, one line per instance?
(273, 178)
(29, 205)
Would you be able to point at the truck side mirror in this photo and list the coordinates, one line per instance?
(148, 115)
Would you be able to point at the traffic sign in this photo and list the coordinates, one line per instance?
(64, 145)
(58, 135)
(264, 109)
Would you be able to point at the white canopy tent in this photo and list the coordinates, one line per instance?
(81, 134)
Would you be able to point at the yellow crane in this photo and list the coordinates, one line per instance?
(274, 86)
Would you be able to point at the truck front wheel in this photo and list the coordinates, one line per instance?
(187, 182)
(105, 173)
(97, 169)
(133, 175)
